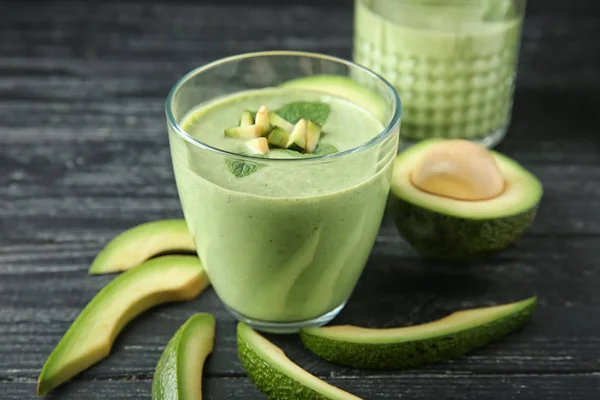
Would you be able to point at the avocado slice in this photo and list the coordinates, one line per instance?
(344, 87)
(142, 242)
(276, 120)
(246, 119)
(412, 346)
(90, 337)
(461, 229)
(278, 137)
(178, 374)
(276, 375)
(313, 134)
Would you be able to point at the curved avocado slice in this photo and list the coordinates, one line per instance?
(178, 374)
(460, 230)
(136, 245)
(276, 375)
(417, 345)
(344, 87)
(90, 337)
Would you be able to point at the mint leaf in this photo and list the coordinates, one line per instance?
(324, 149)
(241, 168)
(314, 111)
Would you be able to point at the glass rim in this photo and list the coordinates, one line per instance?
(387, 130)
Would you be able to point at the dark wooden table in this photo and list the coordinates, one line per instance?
(84, 155)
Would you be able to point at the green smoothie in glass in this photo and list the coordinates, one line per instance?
(283, 226)
(453, 62)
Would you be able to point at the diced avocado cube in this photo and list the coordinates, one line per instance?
(258, 145)
(278, 137)
(276, 120)
(297, 138)
(243, 132)
(262, 121)
(246, 118)
(313, 134)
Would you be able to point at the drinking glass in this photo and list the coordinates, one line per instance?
(453, 62)
(281, 256)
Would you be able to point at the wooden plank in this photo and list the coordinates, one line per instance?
(198, 33)
(84, 155)
(405, 386)
(396, 289)
(69, 138)
(42, 198)
(534, 7)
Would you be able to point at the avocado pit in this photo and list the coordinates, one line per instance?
(451, 202)
(458, 169)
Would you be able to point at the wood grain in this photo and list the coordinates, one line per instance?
(82, 198)
(410, 291)
(84, 155)
(406, 386)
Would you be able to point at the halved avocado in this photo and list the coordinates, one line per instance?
(90, 337)
(276, 375)
(412, 346)
(344, 87)
(136, 245)
(470, 226)
(178, 374)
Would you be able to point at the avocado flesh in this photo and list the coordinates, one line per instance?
(279, 137)
(277, 121)
(276, 375)
(313, 134)
(258, 146)
(458, 230)
(412, 346)
(90, 337)
(244, 132)
(136, 245)
(178, 374)
(246, 119)
(344, 87)
(262, 121)
(297, 139)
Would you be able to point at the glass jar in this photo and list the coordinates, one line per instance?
(453, 62)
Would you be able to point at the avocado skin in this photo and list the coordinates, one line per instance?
(269, 380)
(415, 353)
(443, 237)
(167, 363)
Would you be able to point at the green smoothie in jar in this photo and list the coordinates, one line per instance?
(453, 62)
